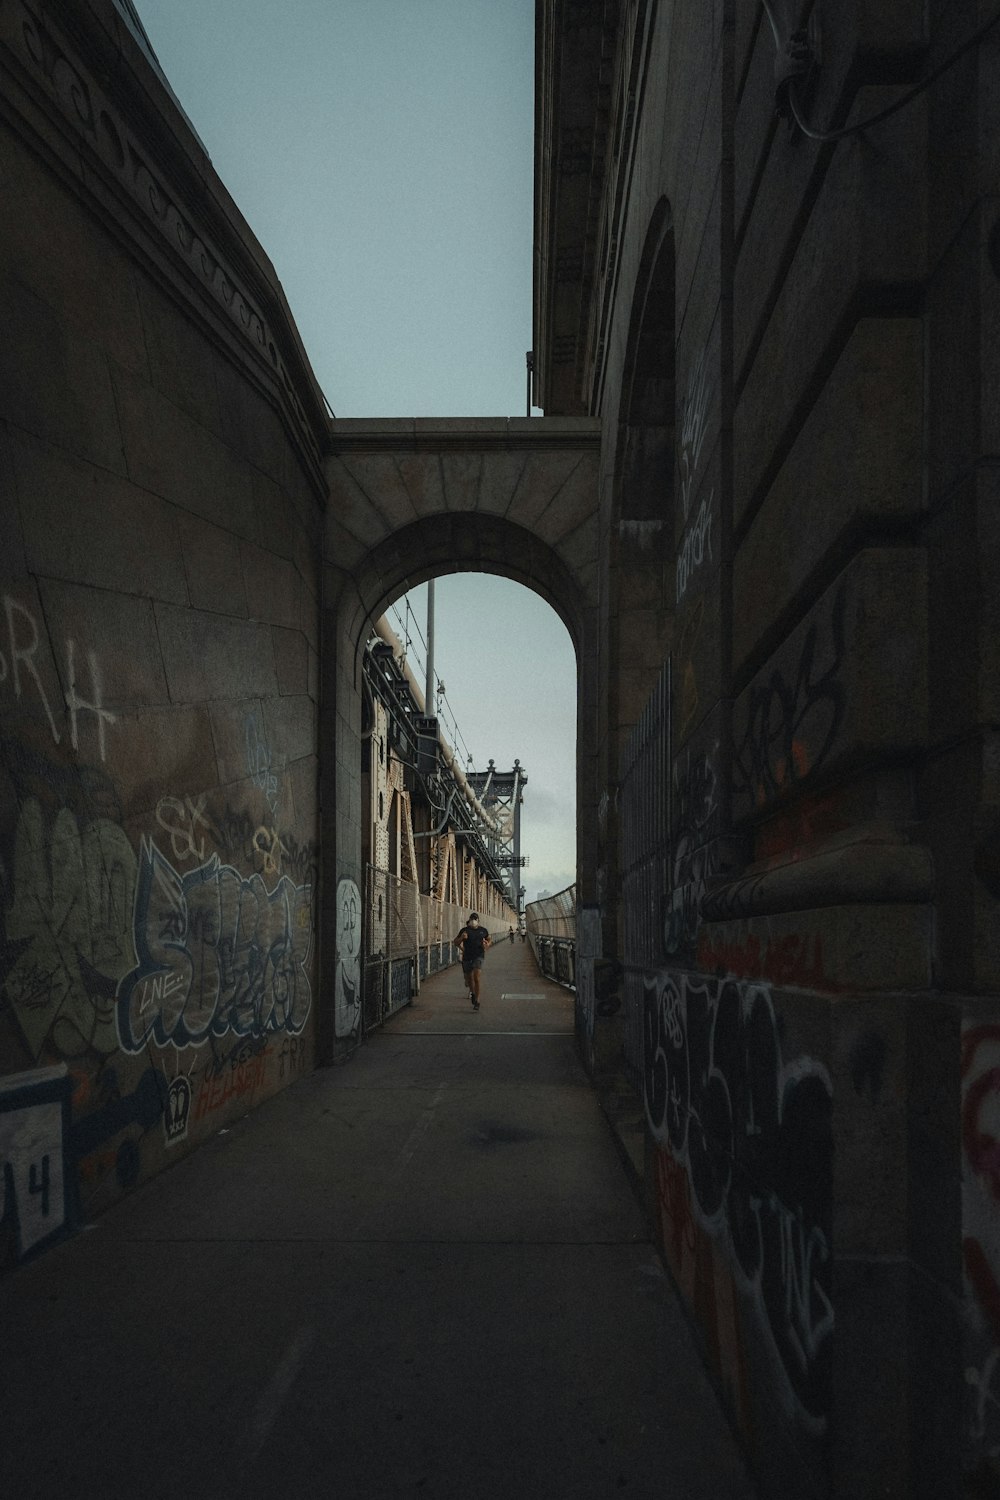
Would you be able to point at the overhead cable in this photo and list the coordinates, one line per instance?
(796, 45)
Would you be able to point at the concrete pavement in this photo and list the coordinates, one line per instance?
(419, 1274)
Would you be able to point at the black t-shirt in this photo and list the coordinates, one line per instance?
(474, 939)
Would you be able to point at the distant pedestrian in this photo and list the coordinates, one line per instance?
(512, 934)
(524, 935)
(472, 943)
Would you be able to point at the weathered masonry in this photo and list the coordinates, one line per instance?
(161, 451)
(791, 345)
(763, 499)
(193, 559)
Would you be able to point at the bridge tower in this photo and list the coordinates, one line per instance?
(502, 793)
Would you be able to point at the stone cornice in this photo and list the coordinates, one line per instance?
(576, 43)
(610, 213)
(872, 870)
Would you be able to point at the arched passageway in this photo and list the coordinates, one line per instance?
(459, 700)
(415, 500)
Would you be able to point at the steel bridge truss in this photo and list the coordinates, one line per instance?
(502, 793)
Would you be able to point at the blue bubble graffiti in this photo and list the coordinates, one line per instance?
(217, 953)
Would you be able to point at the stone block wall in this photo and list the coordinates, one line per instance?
(159, 529)
(790, 345)
(860, 738)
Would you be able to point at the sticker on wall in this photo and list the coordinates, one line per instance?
(347, 976)
(175, 1116)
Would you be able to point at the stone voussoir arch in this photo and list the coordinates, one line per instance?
(462, 542)
(412, 500)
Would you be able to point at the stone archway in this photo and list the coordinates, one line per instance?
(411, 500)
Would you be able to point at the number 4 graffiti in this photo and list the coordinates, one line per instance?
(37, 1204)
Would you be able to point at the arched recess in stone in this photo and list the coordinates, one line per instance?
(640, 554)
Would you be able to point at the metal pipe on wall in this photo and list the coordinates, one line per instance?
(429, 680)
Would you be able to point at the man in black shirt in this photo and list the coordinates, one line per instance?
(472, 942)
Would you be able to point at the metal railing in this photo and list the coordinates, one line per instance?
(551, 928)
(556, 958)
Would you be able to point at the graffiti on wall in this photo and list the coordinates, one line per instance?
(36, 1199)
(705, 1277)
(260, 762)
(216, 953)
(238, 836)
(695, 546)
(694, 426)
(694, 852)
(240, 1078)
(187, 824)
(981, 1237)
(19, 672)
(347, 975)
(107, 1136)
(793, 719)
(67, 880)
(753, 1136)
(68, 924)
(790, 958)
(111, 948)
(178, 1110)
(299, 858)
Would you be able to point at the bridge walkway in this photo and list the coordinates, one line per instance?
(419, 1274)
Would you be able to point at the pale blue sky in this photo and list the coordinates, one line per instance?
(381, 151)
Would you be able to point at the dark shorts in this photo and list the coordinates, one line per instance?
(474, 963)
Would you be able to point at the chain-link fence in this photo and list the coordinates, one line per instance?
(392, 936)
(551, 929)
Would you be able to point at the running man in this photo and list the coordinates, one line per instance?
(472, 943)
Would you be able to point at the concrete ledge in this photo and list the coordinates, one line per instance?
(412, 434)
(862, 873)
